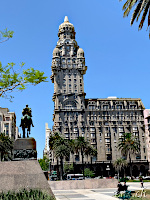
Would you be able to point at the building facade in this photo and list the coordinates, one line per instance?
(8, 123)
(147, 133)
(100, 121)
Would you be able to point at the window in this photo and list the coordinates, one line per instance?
(92, 129)
(63, 60)
(105, 107)
(107, 140)
(119, 106)
(77, 158)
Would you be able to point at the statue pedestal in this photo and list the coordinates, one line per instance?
(25, 149)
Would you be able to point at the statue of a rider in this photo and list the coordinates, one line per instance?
(26, 120)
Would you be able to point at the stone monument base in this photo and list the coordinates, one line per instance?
(16, 175)
(24, 149)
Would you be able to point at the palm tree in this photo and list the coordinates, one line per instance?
(118, 164)
(128, 145)
(142, 7)
(83, 146)
(90, 151)
(52, 140)
(61, 149)
(6, 147)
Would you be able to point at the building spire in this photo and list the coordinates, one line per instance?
(66, 19)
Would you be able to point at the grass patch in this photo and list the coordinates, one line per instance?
(138, 181)
(25, 194)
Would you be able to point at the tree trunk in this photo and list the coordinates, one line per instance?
(130, 164)
(61, 171)
(118, 175)
(82, 162)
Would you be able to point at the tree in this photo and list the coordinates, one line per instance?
(44, 163)
(142, 8)
(68, 168)
(61, 150)
(118, 164)
(88, 173)
(12, 79)
(83, 146)
(5, 35)
(6, 147)
(128, 145)
(60, 147)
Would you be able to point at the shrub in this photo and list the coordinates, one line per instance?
(25, 194)
(88, 173)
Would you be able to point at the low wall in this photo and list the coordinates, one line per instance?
(83, 184)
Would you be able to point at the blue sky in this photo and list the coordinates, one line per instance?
(117, 55)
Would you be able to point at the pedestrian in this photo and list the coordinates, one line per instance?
(141, 180)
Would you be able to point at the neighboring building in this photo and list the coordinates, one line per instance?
(147, 133)
(8, 123)
(100, 121)
(46, 151)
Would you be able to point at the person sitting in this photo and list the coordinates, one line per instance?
(125, 186)
(119, 187)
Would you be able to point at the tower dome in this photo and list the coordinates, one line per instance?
(66, 29)
(80, 53)
(56, 52)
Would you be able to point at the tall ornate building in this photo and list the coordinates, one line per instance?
(100, 121)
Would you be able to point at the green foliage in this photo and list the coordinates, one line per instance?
(19, 79)
(25, 194)
(44, 163)
(88, 173)
(84, 147)
(142, 7)
(128, 144)
(6, 146)
(120, 163)
(5, 35)
(68, 168)
(124, 179)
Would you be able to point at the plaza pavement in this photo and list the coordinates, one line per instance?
(94, 194)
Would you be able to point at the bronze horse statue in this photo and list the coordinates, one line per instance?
(26, 121)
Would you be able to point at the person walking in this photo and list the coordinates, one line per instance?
(141, 180)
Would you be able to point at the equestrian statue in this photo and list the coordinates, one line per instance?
(26, 120)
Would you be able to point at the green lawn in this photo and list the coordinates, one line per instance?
(138, 180)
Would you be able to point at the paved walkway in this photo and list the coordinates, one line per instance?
(93, 194)
(85, 194)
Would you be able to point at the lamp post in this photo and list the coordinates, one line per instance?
(108, 169)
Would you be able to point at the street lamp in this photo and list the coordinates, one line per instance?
(108, 169)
